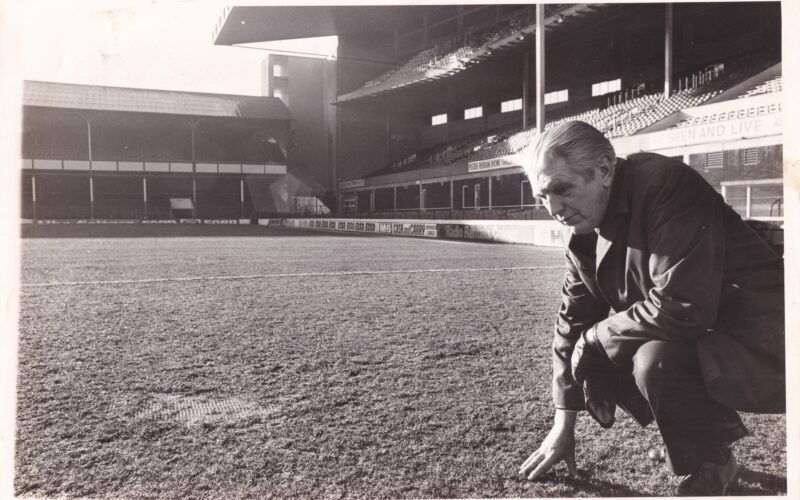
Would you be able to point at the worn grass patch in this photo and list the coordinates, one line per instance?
(401, 385)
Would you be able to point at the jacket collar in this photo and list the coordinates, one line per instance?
(618, 207)
(618, 201)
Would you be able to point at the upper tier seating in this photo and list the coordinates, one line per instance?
(451, 55)
(631, 116)
(768, 87)
(429, 63)
(732, 115)
(619, 120)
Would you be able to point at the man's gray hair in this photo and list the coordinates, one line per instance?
(577, 143)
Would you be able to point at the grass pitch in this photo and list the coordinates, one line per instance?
(309, 366)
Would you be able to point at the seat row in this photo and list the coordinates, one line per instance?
(768, 87)
(732, 115)
(451, 55)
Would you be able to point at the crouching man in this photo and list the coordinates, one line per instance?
(672, 307)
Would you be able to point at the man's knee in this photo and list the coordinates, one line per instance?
(658, 362)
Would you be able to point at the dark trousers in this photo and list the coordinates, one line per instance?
(693, 426)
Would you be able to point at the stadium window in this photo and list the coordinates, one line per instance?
(476, 112)
(606, 87)
(714, 160)
(512, 105)
(557, 96)
(278, 70)
(439, 119)
(750, 157)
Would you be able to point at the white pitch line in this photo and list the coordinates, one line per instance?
(282, 275)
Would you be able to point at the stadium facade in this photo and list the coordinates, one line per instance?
(92, 152)
(435, 104)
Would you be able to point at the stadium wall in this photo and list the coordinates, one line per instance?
(739, 165)
(538, 233)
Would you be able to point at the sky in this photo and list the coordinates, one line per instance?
(158, 44)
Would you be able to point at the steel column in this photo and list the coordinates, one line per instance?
(451, 195)
(748, 199)
(91, 184)
(526, 81)
(540, 68)
(667, 50)
(33, 192)
(144, 195)
(192, 125)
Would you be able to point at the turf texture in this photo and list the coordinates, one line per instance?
(312, 366)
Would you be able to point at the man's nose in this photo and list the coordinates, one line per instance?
(554, 206)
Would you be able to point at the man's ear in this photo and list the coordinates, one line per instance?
(606, 169)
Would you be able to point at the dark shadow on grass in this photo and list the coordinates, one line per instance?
(759, 483)
(590, 485)
(750, 483)
(601, 488)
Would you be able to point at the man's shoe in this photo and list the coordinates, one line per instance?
(711, 479)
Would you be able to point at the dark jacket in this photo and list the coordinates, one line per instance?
(672, 261)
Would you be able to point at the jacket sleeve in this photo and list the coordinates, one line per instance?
(685, 243)
(579, 310)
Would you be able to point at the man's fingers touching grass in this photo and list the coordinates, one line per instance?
(532, 461)
(539, 463)
(544, 465)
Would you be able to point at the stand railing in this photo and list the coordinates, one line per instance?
(760, 199)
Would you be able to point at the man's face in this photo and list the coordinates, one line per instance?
(569, 197)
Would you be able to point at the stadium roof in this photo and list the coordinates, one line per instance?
(268, 23)
(99, 98)
(240, 25)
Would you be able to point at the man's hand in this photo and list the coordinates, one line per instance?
(559, 444)
(587, 355)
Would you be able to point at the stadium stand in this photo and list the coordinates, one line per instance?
(93, 152)
(627, 117)
(435, 103)
(618, 120)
